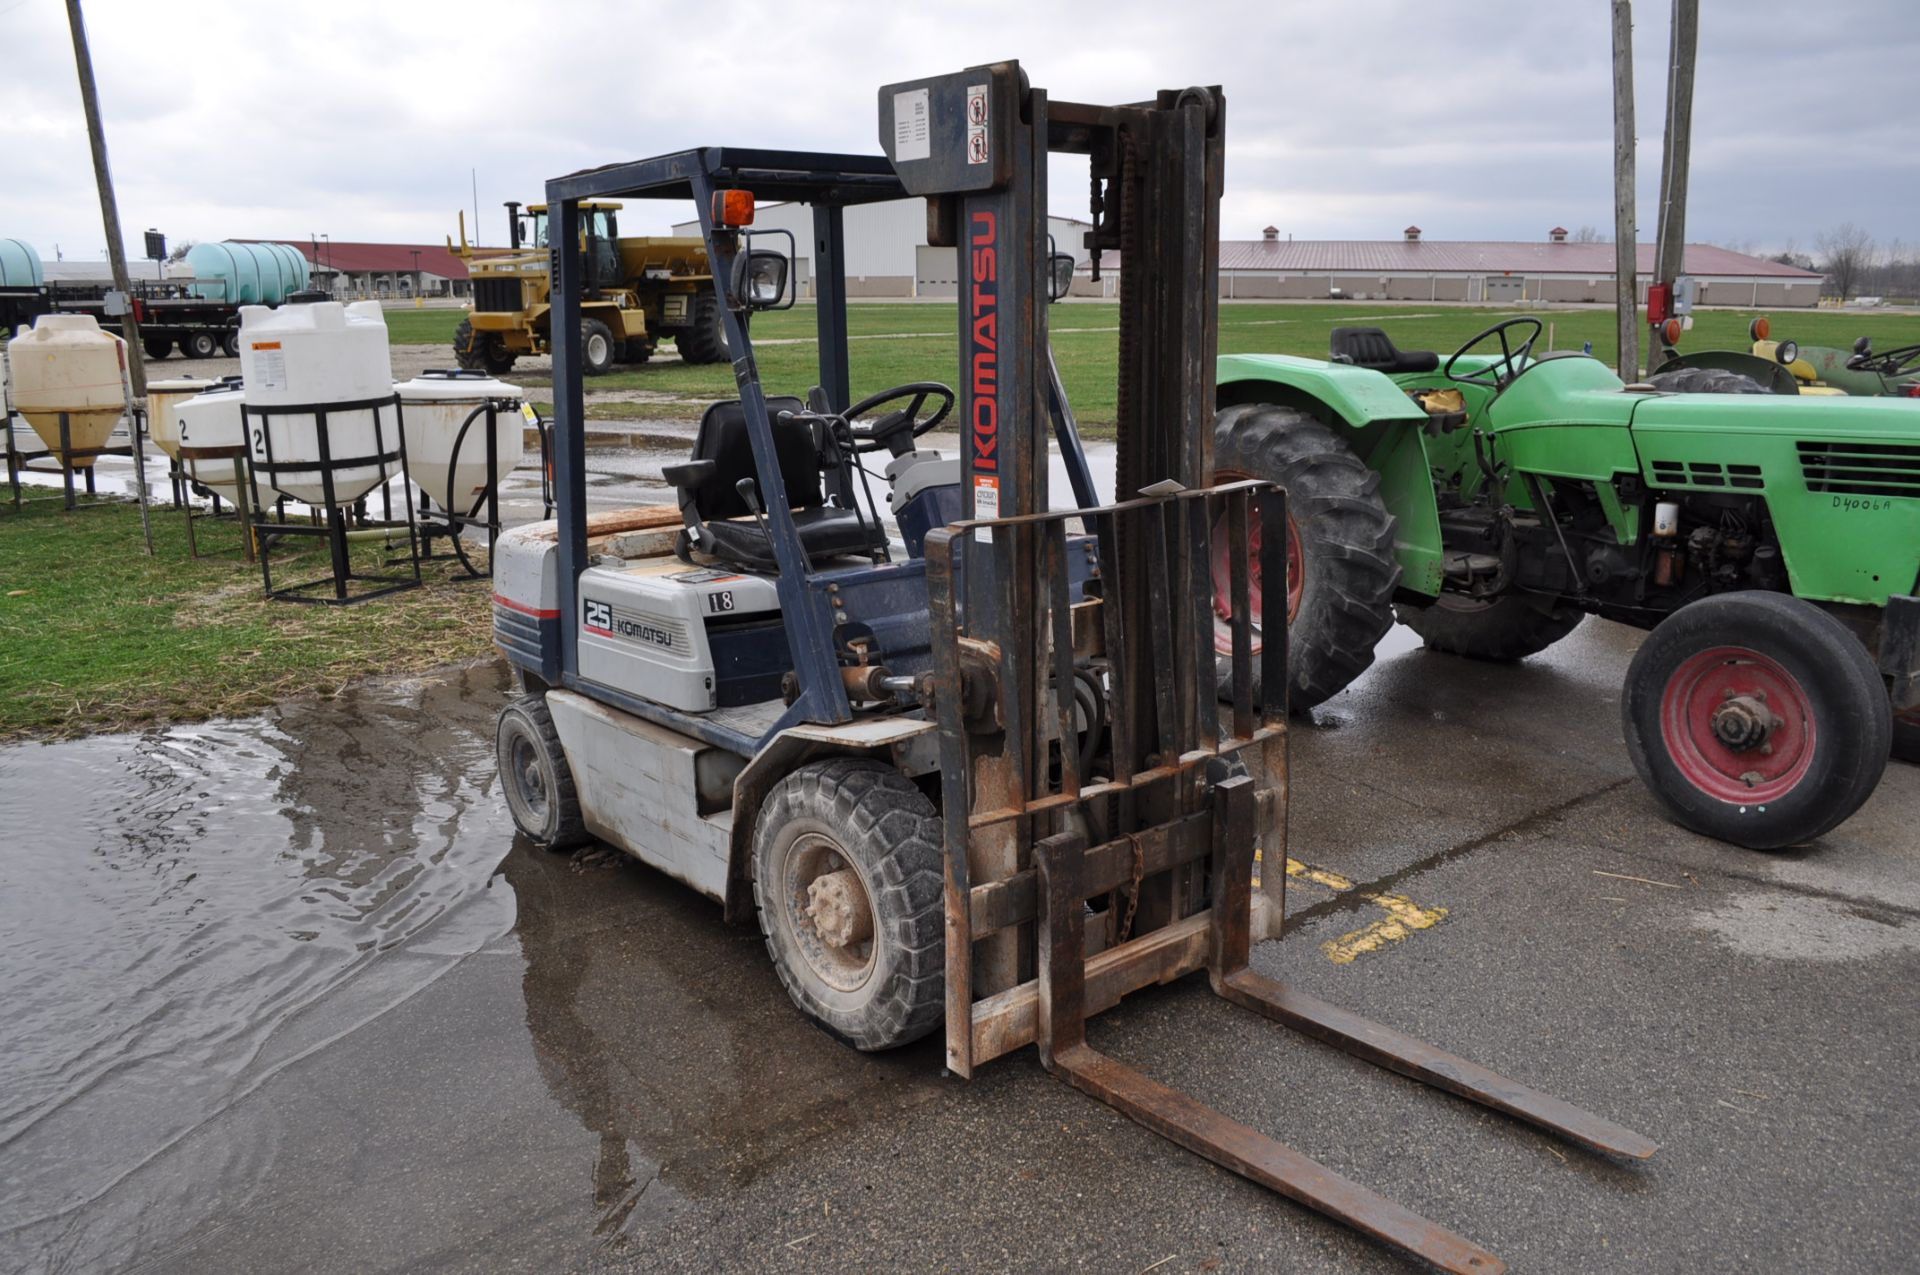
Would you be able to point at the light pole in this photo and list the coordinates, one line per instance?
(416, 274)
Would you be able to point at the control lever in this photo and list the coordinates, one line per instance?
(750, 494)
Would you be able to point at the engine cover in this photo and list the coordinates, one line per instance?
(643, 628)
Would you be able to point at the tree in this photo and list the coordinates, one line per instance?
(1587, 234)
(180, 250)
(1846, 252)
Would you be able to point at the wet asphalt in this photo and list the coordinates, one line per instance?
(286, 994)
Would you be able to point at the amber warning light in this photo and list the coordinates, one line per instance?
(732, 208)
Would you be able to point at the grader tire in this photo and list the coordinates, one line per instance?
(705, 340)
(1341, 565)
(848, 880)
(1510, 627)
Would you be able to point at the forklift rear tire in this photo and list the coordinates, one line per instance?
(1510, 627)
(848, 879)
(1340, 563)
(1706, 380)
(157, 347)
(199, 345)
(1757, 718)
(534, 771)
(704, 340)
(597, 347)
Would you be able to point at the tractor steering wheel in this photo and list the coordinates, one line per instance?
(895, 430)
(1513, 358)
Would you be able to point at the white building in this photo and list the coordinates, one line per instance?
(886, 246)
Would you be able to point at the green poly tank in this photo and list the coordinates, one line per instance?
(247, 273)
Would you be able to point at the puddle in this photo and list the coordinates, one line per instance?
(1781, 926)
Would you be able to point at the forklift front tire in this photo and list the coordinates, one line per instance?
(849, 883)
(534, 771)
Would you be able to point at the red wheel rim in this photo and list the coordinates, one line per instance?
(1222, 568)
(1738, 726)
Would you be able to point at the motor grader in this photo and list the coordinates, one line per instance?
(638, 292)
(964, 768)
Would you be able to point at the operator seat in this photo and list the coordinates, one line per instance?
(1371, 348)
(721, 524)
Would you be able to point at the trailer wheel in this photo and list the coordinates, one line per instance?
(848, 879)
(704, 340)
(1341, 570)
(230, 343)
(597, 347)
(533, 770)
(1706, 380)
(1757, 718)
(157, 347)
(1509, 627)
(199, 345)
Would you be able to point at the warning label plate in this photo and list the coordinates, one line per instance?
(912, 125)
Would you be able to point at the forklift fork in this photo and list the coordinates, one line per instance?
(1182, 814)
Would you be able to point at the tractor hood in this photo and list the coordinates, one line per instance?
(1884, 420)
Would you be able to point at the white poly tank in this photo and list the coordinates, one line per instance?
(435, 406)
(163, 398)
(316, 354)
(65, 363)
(212, 419)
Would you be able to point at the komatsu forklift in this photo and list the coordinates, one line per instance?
(964, 762)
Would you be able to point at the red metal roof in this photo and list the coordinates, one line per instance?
(347, 257)
(1429, 256)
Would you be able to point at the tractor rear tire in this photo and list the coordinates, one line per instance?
(480, 352)
(539, 784)
(1716, 667)
(1510, 627)
(848, 879)
(704, 340)
(157, 347)
(1706, 380)
(1340, 546)
(597, 347)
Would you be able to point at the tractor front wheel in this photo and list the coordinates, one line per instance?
(1509, 627)
(1341, 570)
(597, 347)
(534, 771)
(1756, 718)
(847, 876)
(704, 340)
(480, 351)
(1706, 380)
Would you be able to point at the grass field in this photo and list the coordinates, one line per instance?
(95, 635)
(895, 343)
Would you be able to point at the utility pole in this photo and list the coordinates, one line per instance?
(1669, 263)
(136, 385)
(1626, 296)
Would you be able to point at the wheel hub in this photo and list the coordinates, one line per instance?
(838, 908)
(1743, 722)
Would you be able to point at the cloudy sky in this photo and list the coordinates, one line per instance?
(1346, 118)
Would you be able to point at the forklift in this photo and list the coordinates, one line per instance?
(977, 776)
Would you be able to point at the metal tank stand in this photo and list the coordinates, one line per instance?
(390, 448)
(21, 462)
(444, 515)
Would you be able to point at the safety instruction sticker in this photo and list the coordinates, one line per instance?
(977, 124)
(528, 415)
(986, 496)
(269, 366)
(912, 125)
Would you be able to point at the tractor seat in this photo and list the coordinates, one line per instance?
(1371, 348)
(720, 523)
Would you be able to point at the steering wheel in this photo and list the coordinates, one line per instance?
(894, 431)
(1901, 361)
(1513, 358)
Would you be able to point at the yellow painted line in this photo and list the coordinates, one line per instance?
(1404, 916)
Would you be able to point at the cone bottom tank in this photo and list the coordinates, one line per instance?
(212, 419)
(450, 467)
(67, 363)
(319, 356)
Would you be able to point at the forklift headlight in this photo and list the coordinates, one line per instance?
(760, 278)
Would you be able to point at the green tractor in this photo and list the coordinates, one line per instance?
(1787, 367)
(1496, 499)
